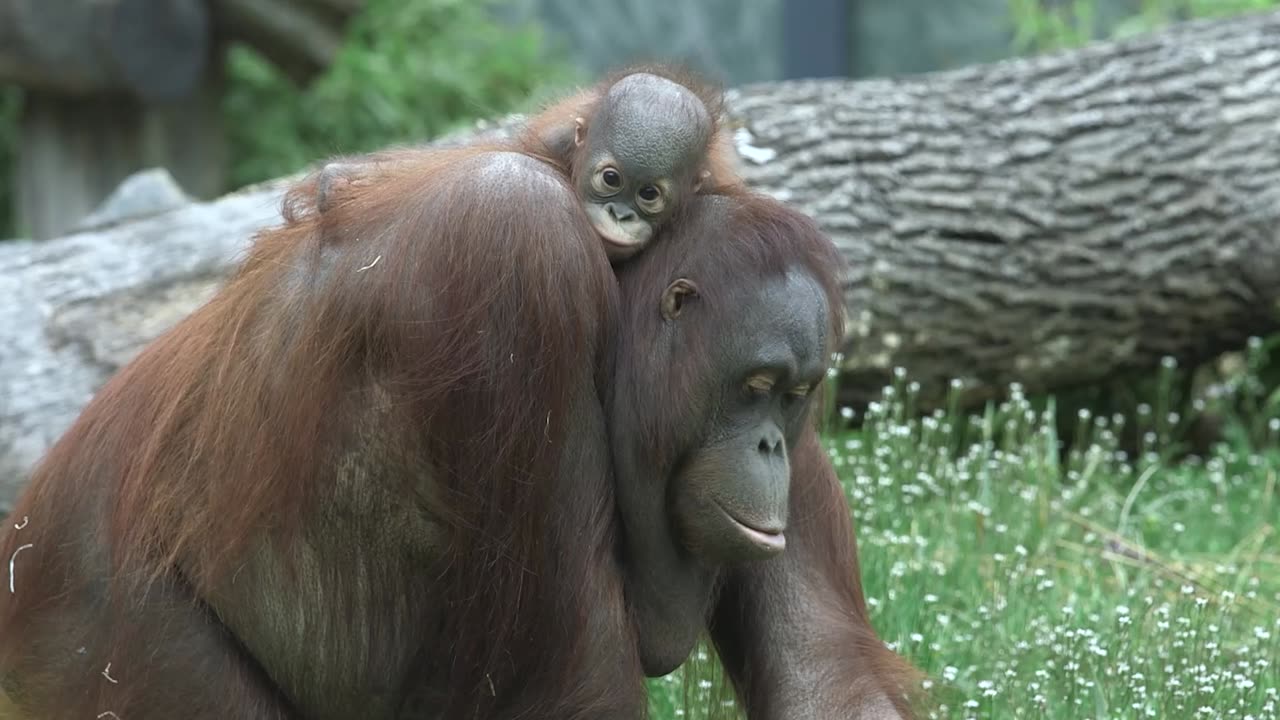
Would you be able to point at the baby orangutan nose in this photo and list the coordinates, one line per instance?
(620, 212)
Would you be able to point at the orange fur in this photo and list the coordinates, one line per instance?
(445, 346)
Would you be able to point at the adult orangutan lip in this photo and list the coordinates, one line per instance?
(767, 540)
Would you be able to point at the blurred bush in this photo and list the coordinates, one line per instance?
(410, 70)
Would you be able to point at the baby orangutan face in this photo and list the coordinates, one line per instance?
(639, 157)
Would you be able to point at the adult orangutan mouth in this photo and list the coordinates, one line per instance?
(770, 541)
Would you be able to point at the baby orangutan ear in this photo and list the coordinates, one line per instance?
(702, 178)
(673, 298)
(579, 131)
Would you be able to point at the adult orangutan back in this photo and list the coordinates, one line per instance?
(369, 476)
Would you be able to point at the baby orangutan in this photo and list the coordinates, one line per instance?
(635, 147)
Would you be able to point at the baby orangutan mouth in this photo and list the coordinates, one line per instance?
(623, 231)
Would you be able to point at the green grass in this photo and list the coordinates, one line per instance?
(1028, 584)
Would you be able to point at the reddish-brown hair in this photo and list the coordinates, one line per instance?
(363, 319)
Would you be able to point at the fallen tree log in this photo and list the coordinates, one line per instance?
(1051, 221)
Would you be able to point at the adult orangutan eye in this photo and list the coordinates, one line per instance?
(650, 199)
(799, 392)
(607, 180)
(760, 384)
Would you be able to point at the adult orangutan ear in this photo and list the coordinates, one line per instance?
(674, 297)
(579, 131)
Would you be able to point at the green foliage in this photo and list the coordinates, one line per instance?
(410, 70)
(1032, 582)
(1158, 13)
(1045, 25)
(1041, 26)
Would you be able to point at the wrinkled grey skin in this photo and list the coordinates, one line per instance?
(654, 133)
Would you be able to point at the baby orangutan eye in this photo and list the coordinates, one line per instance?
(607, 180)
(649, 199)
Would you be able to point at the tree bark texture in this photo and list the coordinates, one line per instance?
(1051, 221)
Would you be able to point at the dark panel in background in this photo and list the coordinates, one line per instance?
(737, 41)
(745, 41)
(816, 38)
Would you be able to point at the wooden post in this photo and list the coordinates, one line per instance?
(76, 150)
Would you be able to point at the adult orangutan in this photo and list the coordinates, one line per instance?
(717, 456)
(371, 477)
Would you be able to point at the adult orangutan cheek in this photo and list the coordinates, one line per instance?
(732, 500)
